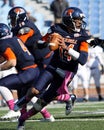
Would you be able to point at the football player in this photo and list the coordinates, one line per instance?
(83, 77)
(65, 96)
(22, 27)
(95, 60)
(73, 50)
(15, 54)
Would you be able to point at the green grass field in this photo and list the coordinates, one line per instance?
(85, 116)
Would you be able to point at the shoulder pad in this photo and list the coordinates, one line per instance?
(24, 30)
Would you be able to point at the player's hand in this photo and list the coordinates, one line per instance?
(55, 38)
(96, 42)
(55, 41)
(62, 44)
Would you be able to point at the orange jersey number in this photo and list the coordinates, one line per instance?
(64, 55)
(24, 48)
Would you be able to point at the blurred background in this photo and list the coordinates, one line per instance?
(43, 18)
(40, 9)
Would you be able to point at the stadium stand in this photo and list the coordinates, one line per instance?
(93, 10)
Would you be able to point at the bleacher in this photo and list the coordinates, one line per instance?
(93, 10)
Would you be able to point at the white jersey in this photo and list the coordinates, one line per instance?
(95, 57)
(82, 75)
(95, 61)
(7, 72)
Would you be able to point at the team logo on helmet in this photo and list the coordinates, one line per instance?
(19, 11)
(69, 12)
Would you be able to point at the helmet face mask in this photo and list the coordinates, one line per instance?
(17, 15)
(12, 21)
(4, 31)
(77, 24)
(72, 18)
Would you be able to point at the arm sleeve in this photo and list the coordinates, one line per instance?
(9, 54)
(83, 53)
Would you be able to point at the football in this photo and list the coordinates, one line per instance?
(53, 46)
(54, 41)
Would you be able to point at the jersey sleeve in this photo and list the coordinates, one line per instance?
(25, 36)
(9, 54)
(83, 53)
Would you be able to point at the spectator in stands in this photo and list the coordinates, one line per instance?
(11, 3)
(57, 7)
(38, 1)
(31, 17)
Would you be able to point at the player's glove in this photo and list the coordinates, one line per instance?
(96, 42)
(100, 42)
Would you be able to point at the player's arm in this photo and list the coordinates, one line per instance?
(83, 53)
(80, 56)
(10, 58)
(52, 40)
(91, 40)
(46, 39)
(94, 41)
(2, 59)
(43, 42)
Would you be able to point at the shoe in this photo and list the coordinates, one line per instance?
(20, 128)
(3, 103)
(16, 108)
(11, 114)
(70, 104)
(100, 98)
(18, 105)
(85, 99)
(50, 119)
(21, 125)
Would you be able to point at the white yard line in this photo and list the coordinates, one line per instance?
(61, 120)
(99, 111)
